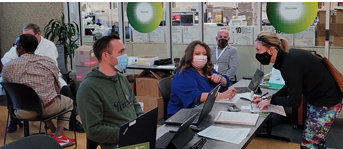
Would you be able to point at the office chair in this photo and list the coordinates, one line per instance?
(23, 97)
(33, 142)
(164, 86)
(62, 65)
(91, 144)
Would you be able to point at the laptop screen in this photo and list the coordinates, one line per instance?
(212, 95)
(142, 129)
(256, 79)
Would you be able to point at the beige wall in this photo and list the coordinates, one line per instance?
(15, 15)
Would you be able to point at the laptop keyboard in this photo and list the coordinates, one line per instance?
(193, 111)
(242, 89)
(163, 141)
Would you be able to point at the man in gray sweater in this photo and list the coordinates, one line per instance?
(225, 58)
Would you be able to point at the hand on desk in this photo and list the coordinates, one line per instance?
(228, 94)
(260, 103)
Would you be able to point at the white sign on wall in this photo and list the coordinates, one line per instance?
(306, 37)
(158, 34)
(139, 37)
(190, 33)
(177, 34)
(241, 35)
(288, 37)
(210, 34)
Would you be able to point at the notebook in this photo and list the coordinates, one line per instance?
(236, 118)
(140, 130)
(179, 138)
(253, 85)
(182, 115)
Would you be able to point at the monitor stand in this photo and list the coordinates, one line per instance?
(182, 139)
(258, 91)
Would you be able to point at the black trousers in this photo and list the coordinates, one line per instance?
(64, 91)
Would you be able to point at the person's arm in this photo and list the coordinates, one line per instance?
(185, 86)
(10, 55)
(91, 113)
(224, 80)
(233, 64)
(292, 75)
(51, 51)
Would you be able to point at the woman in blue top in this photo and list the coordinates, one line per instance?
(194, 78)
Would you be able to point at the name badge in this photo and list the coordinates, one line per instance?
(216, 67)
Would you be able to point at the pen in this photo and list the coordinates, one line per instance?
(260, 96)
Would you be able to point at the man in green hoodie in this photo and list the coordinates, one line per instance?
(105, 99)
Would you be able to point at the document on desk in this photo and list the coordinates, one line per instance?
(236, 118)
(271, 108)
(166, 67)
(227, 100)
(236, 135)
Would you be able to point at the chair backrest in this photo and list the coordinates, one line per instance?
(91, 144)
(23, 97)
(164, 86)
(33, 142)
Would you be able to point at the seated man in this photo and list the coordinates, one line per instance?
(45, 48)
(41, 74)
(105, 99)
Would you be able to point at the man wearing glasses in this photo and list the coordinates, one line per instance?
(45, 48)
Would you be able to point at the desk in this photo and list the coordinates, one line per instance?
(169, 67)
(209, 120)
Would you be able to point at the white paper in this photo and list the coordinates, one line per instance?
(177, 34)
(276, 77)
(271, 108)
(288, 37)
(140, 37)
(245, 107)
(210, 34)
(236, 118)
(236, 135)
(166, 67)
(241, 35)
(306, 37)
(190, 33)
(157, 35)
(227, 100)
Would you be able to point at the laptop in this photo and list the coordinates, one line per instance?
(179, 138)
(254, 83)
(140, 130)
(181, 116)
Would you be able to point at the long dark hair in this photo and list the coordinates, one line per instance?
(186, 60)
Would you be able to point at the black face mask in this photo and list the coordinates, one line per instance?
(263, 58)
(222, 43)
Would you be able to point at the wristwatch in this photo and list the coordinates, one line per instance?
(268, 98)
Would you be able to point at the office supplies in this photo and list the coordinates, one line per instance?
(236, 135)
(140, 130)
(254, 83)
(227, 100)
(271, 108)
(236, 118)
(233, 108)
(179, 138)
(261, 96)
(182, 115)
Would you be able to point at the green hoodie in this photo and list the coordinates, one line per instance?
(103, 107)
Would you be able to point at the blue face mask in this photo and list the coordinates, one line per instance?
(122, 62)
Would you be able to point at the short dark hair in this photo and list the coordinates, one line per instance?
(103, 45)
(32, 26)
(28, 42)
(186, 60)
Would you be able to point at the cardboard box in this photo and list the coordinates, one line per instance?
(149, 103)
(339, 16)
(334, 41)
(132, 80)
(146, 82)
(84, 56)
(81, 72)
(322, 17)
(336, 34)
(146, 60)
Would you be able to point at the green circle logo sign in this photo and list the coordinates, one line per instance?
(291, 17)
(144, 17)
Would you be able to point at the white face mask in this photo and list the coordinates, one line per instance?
(199, 61)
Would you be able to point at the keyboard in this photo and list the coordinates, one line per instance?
(191, 113)
(242, 89)
(163, 141)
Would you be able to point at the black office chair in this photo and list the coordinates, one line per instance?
(91, 144)
(164, 86)
(34, 142)
(23, 97)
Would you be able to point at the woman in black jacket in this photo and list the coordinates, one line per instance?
(306, 75)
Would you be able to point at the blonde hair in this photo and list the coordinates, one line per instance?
(270, 39)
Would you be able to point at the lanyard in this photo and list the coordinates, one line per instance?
(220, 53)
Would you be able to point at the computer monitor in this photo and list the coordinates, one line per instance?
(127, 32)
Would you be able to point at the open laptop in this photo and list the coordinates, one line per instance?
(179, 138)
(254, 83)
(181, 116)
(140, 130)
